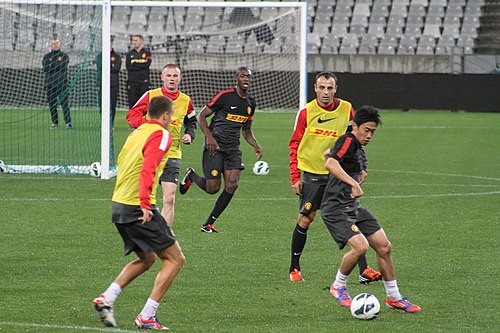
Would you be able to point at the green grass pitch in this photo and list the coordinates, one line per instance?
(434, 184)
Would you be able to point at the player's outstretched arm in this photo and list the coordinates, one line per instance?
(211, 143)
(250, 138)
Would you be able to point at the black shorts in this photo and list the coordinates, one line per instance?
(346, 224)
(313, 187)
(171, 171)
(152, 236)
(214, 165)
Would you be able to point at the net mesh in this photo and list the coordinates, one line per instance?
(210, 43)
(35, 79)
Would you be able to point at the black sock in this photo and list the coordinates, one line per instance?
(299, 238)
(201, 182)
(362, 264)
(220, 205)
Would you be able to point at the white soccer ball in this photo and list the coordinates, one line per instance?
(260, 168)
(95, 169)
(365, 306)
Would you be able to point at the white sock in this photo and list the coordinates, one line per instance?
(340, 280)
(392, 290)
(112, 292)
(149, 309)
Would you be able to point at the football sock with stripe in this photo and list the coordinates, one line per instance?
(392, 290)
(299, 238)
(149, 309)
(340, 280)
(220, 205)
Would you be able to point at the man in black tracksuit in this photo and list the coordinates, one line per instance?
(116, 65)
(137, 63)
(55, 66)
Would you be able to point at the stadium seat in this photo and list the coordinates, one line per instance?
(349, 44)
(424, 3)
(396, 20)
(197, 46)
(380, 10)
(344, 10)
(330, 45)
(216, 44)
(445, 45)
(357, 30)
(338, 30)
(471, 21)
(136, 28)
(376, 30)
(468, 31)
(415, 21)
(382, 2)
(413, 30)
(274, 48)
(368, 45)
(387, 45)
(441, 3)
(155, 27)
(381, 20)
(362, 9)
(139, 15)
(321, 29)
(451, 30)
(416, 10)
(399, 9)
(407, 45)
(426, 45)
(433, 30)
(394, 31)
(457, 2)
(360, 20)
(435, 11)
(454, 10)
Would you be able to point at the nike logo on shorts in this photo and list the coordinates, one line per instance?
(233, 107)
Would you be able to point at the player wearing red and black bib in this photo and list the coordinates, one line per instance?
(184, 115)
(317, 127)
(347, 221)
(137, 219)
(233, 112)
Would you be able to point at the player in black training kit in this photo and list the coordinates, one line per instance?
(233, 111)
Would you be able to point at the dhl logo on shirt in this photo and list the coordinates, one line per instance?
(324, 132)
(236, 118)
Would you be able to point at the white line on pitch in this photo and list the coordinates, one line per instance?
(270, 198)
(80, 328)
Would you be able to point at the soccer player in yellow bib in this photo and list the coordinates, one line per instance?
(184, 115)
(138, 220)
(316, 129)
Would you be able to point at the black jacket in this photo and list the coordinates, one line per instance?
(55, 67)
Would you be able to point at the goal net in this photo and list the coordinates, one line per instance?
(208, 40)
(34, 138)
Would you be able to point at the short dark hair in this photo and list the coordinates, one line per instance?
(326, 75)
(140, 36)
(367, 114)
(158, 105)
(241, 69)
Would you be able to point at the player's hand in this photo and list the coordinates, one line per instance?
(186, 139)
(258, 152)
(146, 215)
(212, 145)
(362, 176)
(356, 191)
(297, 187)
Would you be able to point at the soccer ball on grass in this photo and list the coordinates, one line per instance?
(365, 306)
(95, 169)
(260, 168)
